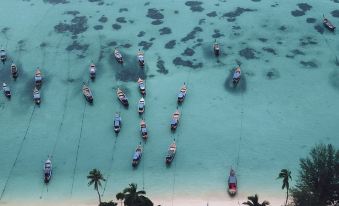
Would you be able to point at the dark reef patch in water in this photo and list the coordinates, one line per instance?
(21, 45)
(262, 39)
(309, 64)
(297, 13)
(192, 34)
(98, 27)
(129, 71)
(157, 22)
(239, 88)
(154, 14)
(165, 30)
(56, 1)
(170, 44)
(178, 61)
(217, 34)
(295, 52)
(282, 28)
(304, 6)
(212, 14)
(121, 20)
(311, 20)
(248, 53)
(307, 41)
(319, 29)
(145, 45)
(269, 50)
(236, 27)
(43, 45)
(103, 19)
(74, 12)
(126, 45)
(202, 21)
(188, 52)
(123, 9)
(77, 26)
(161, 66)
(141, 34)
(272, 74)
(111, 44)
(116, 26)
(195, 6)
(335, 13)
(334, 79)
(233, 14)
(76, 46)
(152, 39)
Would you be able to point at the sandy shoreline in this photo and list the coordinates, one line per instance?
(178, 201)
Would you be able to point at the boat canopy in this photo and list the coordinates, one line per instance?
(116, 123)
(36, 95)
(136, 155)
(181, 95)
(143, 130)
(236, 75)
(141, 57)
(174, 121)
(232, 179)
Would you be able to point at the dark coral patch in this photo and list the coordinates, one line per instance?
(217, 34)
(192, 34)
(295, 52)
(335, 13)
(272, 74)
(161, 66)
(78, 25)
(309, 64)
(154, 14)
(56, 1)
(122, 10)
(319, 29)
(145, 45)
(269, 50)
(165, 30)
(170, 44)
(141, 34)
(334, 79)
(282, 28)
(186, 63)
(188, 52)
(74, 13)
(157, 22)
(311, 20)
(121, 20)
(112, 43)
(76, 46)
(307, 41)
(126, 45)
(98, 27)
(233, 14)
(248, 53)
(212, 14)
(304, 7)
(262, 39)
(103, 19)
(297, 13)
(195, 6)
(116, 26)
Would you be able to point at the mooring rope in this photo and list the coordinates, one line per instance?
(77, 153)
(19, 152)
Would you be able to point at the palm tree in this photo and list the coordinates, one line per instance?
(120, 196)
(254, 201)
(95, 177)
(285, 175)
(132, 197)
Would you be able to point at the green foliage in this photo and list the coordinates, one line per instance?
(132, 197)
(254, 201)
(318, 183)
(285, 175)
(95, 177)
(110, 203)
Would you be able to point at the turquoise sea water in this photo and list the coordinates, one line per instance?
(285, 103)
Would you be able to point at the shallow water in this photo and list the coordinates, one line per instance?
(285, 103)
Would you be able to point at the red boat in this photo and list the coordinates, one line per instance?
(232, 183)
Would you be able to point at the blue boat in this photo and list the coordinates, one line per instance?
(47, 171)
(137, 156)
(117, 123)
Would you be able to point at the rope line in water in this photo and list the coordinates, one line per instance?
(18, 154)
(111, 166)
(77, 153)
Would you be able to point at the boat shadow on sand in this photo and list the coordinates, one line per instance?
(238, 88)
